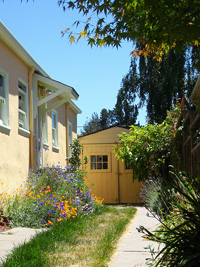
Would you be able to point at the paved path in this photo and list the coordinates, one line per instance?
(13, 238)
(131, 250)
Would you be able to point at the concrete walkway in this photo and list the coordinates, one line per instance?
(13, 238)
(131, 250)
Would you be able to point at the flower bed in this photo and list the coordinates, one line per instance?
(49, 196)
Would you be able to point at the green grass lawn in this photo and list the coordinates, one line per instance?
(85, 241)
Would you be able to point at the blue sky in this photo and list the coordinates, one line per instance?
(95, 73)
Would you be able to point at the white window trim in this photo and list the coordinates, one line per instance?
(55, 146)
(24, 129)
(4, 124)
(70, 141)
(45, 134)
(101, 154)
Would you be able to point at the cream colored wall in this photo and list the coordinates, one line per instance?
(14, 148)
(108, 136)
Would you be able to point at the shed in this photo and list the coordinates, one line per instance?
(108, 177)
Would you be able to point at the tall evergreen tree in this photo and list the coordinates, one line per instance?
(159, 84)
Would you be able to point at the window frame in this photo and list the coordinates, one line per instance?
(45, 133)
(4, 103)
(100, 154)
(55, 130)
(70, 137)
(23, 124)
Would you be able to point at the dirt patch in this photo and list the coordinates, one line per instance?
(4, 228)
(4, 223)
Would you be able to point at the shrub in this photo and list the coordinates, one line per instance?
(148, 150)
(75, 159)
(50, 195)
(180, 230)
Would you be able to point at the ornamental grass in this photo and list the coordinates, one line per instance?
(49, 196)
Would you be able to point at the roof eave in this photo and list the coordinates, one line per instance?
(8, 38)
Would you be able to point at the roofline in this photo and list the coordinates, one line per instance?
(104, 130)
(74, 107)
(60, 84)
(8, 38)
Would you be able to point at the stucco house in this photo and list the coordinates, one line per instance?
(38, 118)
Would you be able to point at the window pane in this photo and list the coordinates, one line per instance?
(93, 158)
(21, 101)
(127, 166)
(105, 158)
(93, 166)
(2, 91)
(53, 120)
(99, 158)
(22, 87)
(105, 166)
(99, 165)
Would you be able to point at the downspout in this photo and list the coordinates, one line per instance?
(30, 75)
(67, 133)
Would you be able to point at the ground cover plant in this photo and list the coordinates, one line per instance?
(85, 241)
(49, 196)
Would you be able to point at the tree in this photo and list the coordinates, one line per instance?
(159, 24)
(125, 110)
(158, 84)
(105, 118)
(91, 125)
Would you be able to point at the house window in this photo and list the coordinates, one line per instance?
(54, 128)
(45, 130)
(127, 166)
(4, 107)
(70, 137)
(23, 105)
(99, 162)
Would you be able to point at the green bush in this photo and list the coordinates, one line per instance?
(180, 231)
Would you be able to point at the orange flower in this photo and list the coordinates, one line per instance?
(49, 222)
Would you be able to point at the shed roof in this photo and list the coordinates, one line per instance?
(104, 136)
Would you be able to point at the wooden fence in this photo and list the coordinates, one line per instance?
(191, 142)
